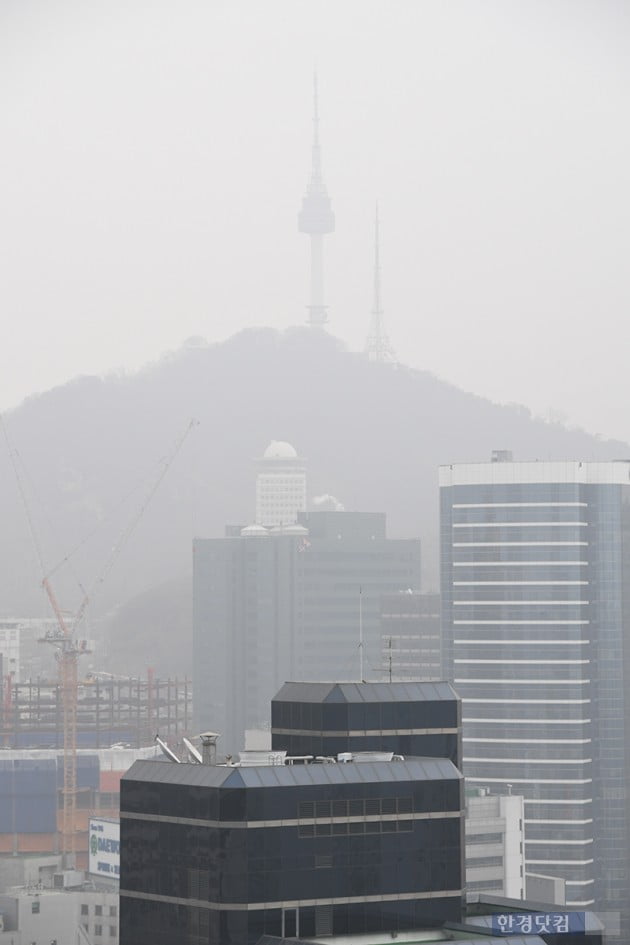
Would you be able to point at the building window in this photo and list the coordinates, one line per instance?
(98, 910)
(98, 929)
(85, 909)
(35, 906)
(112, 931)
(112, 910)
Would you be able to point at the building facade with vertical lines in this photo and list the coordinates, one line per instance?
(535, 561)
(295, 603)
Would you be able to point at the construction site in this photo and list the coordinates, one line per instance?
(51, 730)
(111, 711)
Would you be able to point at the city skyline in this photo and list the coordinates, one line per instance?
(504, 203)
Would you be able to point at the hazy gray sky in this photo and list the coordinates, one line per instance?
(154, 156)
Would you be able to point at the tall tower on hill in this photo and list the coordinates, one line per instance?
(377, 346)
(316, 218)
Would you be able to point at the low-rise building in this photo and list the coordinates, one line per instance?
(495, 859)
(33, 915)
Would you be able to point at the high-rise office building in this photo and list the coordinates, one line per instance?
(536, 624)
(411, 636)
(280, 485)
(299, 602)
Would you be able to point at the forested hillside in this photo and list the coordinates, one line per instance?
(88, 453)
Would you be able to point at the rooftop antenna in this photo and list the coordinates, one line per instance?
(192, 751)
(166, 751)
(389, 657)
(316, 219)
(377, 346)
(361, 676)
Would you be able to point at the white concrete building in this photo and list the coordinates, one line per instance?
(35, 916)
(495, 858)
(280, 486)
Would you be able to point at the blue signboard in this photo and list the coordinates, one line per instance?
(538, 923)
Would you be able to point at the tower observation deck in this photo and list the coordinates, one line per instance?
(316, 219)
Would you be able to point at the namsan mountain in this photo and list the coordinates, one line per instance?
(88, 454)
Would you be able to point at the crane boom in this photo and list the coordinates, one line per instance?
(128, 530)
(69, 648)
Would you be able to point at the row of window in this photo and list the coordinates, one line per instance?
(473, 862)
(98, 930)
(98, 910)
(355, 807)
(484, 838)
(355, 828)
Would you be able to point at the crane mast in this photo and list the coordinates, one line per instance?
(69, 648)
(68, 652)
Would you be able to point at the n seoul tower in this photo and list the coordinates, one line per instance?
(316, 218)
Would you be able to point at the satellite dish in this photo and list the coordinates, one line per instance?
(192, 751)
(167, 751)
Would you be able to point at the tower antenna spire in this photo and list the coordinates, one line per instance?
(316, 219)
(377, 346)
(316, 161)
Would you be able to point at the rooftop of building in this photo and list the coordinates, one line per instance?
(115, 758)
(266, 776)
(340, 692)
(476, 927)
(462, 935)
(505, 472)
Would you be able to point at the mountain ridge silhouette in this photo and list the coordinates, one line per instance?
(373, 435)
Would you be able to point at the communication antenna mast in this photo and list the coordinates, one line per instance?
(361, 676)
(377, 346)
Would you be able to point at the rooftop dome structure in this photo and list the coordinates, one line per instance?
(278, 449)
(295, 530)
(253, 530)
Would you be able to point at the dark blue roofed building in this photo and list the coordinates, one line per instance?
(223, 855)
(422, 719)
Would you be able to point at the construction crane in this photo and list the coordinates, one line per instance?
(69, 648)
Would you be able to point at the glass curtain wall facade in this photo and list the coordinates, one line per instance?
(535, 583)
(221, 855)
(410, 636)
(273, 607)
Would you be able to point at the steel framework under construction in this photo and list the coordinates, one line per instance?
(109, 711)
(65, 638)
